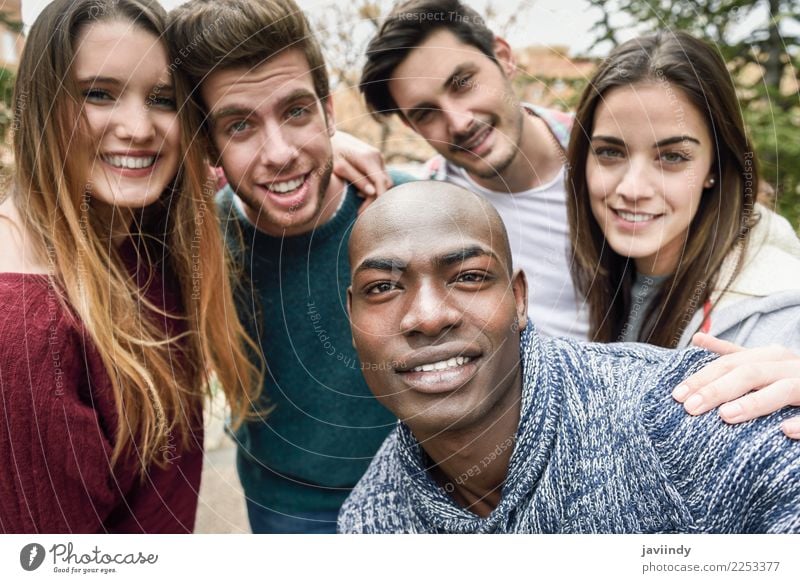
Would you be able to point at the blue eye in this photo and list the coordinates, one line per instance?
(238, 126)
(606, 152)
(674, 157)
(297, 112)
(163, 102)
(97, 95)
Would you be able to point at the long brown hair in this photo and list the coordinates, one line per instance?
(157, 396)
(726, 211)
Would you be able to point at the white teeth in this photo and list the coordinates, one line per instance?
(288, 186)
(442, 364)
(130, 162)
(635, 217)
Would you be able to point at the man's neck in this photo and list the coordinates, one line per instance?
(539, 160)
(471, 465)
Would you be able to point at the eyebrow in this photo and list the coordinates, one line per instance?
(93, 80)
(381, 264)
(115, 81)
(452, 258)
(297, 95)
(241, 110)
(659, 144)
(459, 72)
(232, 110)
(463, 254)
(163, 87)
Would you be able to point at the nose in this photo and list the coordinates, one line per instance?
(638, 181)
(134, 122)
(430, 310)
(278, 151)
(459, 121)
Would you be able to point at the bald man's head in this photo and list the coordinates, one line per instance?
(427, 205)
(435, 307)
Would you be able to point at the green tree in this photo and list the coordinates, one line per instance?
(769, 101)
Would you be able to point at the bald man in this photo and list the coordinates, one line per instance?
(505, 431)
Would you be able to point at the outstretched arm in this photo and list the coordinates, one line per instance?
(744, 383)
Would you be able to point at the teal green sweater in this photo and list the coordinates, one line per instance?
(309, 452)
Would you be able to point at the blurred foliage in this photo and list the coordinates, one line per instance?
(769, 99)
(6, 97)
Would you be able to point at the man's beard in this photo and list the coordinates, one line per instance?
(494, 170)
(274, 217)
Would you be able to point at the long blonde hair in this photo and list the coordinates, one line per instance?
(157, 395)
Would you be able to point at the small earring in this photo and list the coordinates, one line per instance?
(710, 182)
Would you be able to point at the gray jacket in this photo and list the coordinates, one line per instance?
(762, 304)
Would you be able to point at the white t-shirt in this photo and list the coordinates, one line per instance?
(536, 221)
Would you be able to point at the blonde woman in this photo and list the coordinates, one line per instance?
(116, 306)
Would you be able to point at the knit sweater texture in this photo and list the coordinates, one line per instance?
(601, 447)
(57, 427)
(309, 451)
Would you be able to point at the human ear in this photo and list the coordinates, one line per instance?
(505, 56)
(349, 314)
(330, 118)
(519, 286)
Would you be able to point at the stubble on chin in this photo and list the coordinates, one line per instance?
(274, 220)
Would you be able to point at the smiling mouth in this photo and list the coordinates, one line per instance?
(286, 187)
(475, 141)
(635, 217)
(441, 376)
(129, 162)
(450, 363)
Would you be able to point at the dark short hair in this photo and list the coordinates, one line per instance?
(405, 28)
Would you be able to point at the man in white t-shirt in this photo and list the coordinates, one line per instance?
(448, 77)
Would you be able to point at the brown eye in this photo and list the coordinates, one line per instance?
(473, 277)
(379, 288)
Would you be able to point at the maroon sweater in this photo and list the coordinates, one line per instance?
(57, 428)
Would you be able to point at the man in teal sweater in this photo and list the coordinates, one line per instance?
(269, 117)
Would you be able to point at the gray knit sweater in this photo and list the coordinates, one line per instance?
(601, 447)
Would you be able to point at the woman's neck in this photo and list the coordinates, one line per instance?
(21, 254)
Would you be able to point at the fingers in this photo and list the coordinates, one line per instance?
(369, 177)
(350, 173)
(714, 344)
(750, 369)
(737, 382)
(769, 399)
(791, 427)
(360, 164)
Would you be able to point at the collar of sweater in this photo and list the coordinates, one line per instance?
(436, 510)
(338, 223)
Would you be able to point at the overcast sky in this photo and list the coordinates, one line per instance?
(553, 22)
(550, 22)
